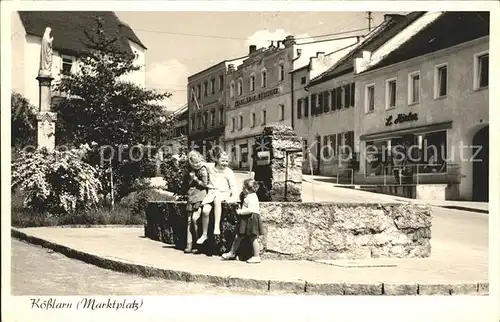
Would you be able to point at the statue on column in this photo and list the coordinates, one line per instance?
(46, 53)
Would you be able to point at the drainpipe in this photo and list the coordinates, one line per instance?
(299, 53)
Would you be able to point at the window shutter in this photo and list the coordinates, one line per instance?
(353, 96)
(306, 107)
(299, 108)
(333, 98)
(320, 103)
(347, 96)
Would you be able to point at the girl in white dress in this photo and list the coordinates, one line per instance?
(222, 188)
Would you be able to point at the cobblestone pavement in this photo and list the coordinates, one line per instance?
(39, 271)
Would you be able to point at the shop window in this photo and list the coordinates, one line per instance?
(414, 88)
(369, 98)
(433, 156)
(481, 70)
(390, 93)
(376, 157)
(441, 81)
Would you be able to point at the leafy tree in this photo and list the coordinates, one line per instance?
(103, 108)
(23, 122)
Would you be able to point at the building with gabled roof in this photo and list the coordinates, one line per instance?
(69, 43)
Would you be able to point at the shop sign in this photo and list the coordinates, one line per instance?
(401, 118)
(256, 97)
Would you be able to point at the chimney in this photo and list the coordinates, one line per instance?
(320, 54)
(272, 44)
(289, 41)
(392, 16)
(230, 68)
(251, 49)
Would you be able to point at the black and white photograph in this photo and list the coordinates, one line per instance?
(309, 153)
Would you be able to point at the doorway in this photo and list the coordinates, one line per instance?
(480, 165)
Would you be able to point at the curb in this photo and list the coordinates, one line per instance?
(304, 288)
(482, 211)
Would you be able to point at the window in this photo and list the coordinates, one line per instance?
(252, 83)
(252, 121)
(241, 122)
(305, 148)
(281, 71)
(326, 150)
(376, 157)
(240, 87)
(212, 85)
(221, 83)
(299, 108)
(205, 89)
(193, 93)
(326, 101)
(231, 89)
(347, 95)
(263, 78)
(264, 117)
(481, 70)
(193, 123)
(303, 80)
(306, 107)
(221, 116)
(67, 64)
(353, 95)
(333, 144)
(198, 90)
(390, 93)
(212, 116)
(233, 124)
(369, 98)
(414, 88)
(199, 121)
(433, 153)
(338, 98)
(282, 112)
(205, 123)
(441, 81)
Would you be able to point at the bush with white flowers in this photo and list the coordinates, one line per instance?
(56, 182)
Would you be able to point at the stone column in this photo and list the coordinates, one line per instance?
(282, 174)
(46, 119)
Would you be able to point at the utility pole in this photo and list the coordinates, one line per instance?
(369, 21)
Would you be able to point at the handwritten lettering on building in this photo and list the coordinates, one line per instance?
(401, 118)
(256, 97)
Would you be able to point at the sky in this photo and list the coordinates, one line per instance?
(180, 44)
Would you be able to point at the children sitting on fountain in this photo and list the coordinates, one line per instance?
(198, 179)
(249, 223)
(222, 188)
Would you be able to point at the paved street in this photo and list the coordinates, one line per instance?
(39, 271)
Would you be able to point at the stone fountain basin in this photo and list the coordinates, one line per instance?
(312, 230)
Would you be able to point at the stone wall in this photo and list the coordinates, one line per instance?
(313, 230)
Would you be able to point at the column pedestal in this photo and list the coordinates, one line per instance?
(46, 119)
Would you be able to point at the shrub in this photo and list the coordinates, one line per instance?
(56, 182)
(174, 170)
(23, 122)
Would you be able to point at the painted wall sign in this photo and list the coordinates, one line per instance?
(401, 118)
(256, 97)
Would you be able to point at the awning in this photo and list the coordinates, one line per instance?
(399, 132)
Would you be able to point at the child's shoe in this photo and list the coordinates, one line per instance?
(188, 249)
(228, 256)
(202, 239)
(254, 260)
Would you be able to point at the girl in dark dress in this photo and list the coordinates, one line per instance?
(249, 223)
(198, 186)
